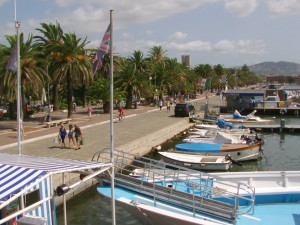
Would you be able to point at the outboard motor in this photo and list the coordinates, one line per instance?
(228, 157)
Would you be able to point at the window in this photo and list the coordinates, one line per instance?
(32, 197)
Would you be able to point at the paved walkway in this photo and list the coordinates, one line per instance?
(137, 124)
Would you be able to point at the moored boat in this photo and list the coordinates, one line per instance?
(238, 152)
(198, 162)
(250, 118)
(162, 196)
(219, 138)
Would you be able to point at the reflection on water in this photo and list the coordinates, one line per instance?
(91, 208)
(281, 152)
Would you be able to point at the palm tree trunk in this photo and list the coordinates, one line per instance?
(55, 96)
(84, 98)
(69, 94)
(128, 103)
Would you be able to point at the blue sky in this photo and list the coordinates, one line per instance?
(226, 32)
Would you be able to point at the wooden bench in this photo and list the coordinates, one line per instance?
(55, 122)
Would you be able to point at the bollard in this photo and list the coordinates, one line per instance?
(282, 123)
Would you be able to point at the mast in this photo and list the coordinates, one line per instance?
(17, 24)
(113, 208)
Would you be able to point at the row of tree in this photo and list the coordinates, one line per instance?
(62, 62)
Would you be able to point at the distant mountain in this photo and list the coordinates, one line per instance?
(276, 68)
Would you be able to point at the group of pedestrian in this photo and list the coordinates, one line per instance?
(71, 133)
(168, 103)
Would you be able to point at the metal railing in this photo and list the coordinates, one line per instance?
(198, 191)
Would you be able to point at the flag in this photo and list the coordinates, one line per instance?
(223, 79)
(102, 50)
(207, 83)
(201, 82)
(12, 63)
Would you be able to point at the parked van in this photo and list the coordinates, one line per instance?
(272, 101)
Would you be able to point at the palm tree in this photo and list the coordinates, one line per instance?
(131, 82)
(157, 53)
(33, 77)
(51, 35)
(139, 61)
(71, 64)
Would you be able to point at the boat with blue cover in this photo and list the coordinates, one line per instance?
(238, 152)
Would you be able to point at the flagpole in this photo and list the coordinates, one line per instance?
(17, 24)
(111, 122)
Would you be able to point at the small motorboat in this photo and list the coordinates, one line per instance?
(219, 138)
(198, 162)
(250, 118)
(239, 152)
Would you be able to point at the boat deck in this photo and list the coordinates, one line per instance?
(287, 214)
(197, 198)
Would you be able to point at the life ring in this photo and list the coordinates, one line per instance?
(283, 111)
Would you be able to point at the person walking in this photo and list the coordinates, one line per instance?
(74, 107)
(78, 136)
(71, 135)
(121, 113)
(160, 104)
(62, 134)
(89, 111)
(168, 106)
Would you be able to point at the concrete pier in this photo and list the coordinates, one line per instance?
(140, 131)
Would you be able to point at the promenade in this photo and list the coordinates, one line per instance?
(140, 130)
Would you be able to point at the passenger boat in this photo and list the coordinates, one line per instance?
(183, 196)
(238, 152)
(198, 162)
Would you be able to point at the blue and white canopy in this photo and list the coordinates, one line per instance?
(14, 178)
(18, 171)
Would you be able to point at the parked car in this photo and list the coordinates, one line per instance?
(184, 109)
(272, 101)
(2, 111)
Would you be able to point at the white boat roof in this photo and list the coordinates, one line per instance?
(53, 165)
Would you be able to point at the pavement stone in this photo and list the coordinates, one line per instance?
(137, 123)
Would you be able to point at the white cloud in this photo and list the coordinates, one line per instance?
(195, 46)
(284, 7)
(245, 47)
(149, 32)
(92, 14)
(127, 35)
(240, 47)
(178, 35)
(241, 8)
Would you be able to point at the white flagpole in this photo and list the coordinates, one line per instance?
(111, 72)
(17, 24)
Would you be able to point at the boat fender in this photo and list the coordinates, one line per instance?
(283, 111)
(81, 176)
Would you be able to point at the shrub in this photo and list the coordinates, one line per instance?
(63, 106)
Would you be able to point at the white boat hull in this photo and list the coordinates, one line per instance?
(161, 214)
(199, 162)
(240, 152)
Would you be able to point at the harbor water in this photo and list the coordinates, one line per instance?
(281, 152)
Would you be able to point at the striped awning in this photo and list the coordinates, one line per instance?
(14, 178)
(19, 171)
(53, 165)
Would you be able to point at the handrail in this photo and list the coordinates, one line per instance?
(203, 185)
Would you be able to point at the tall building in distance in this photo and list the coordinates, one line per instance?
(186, 59)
